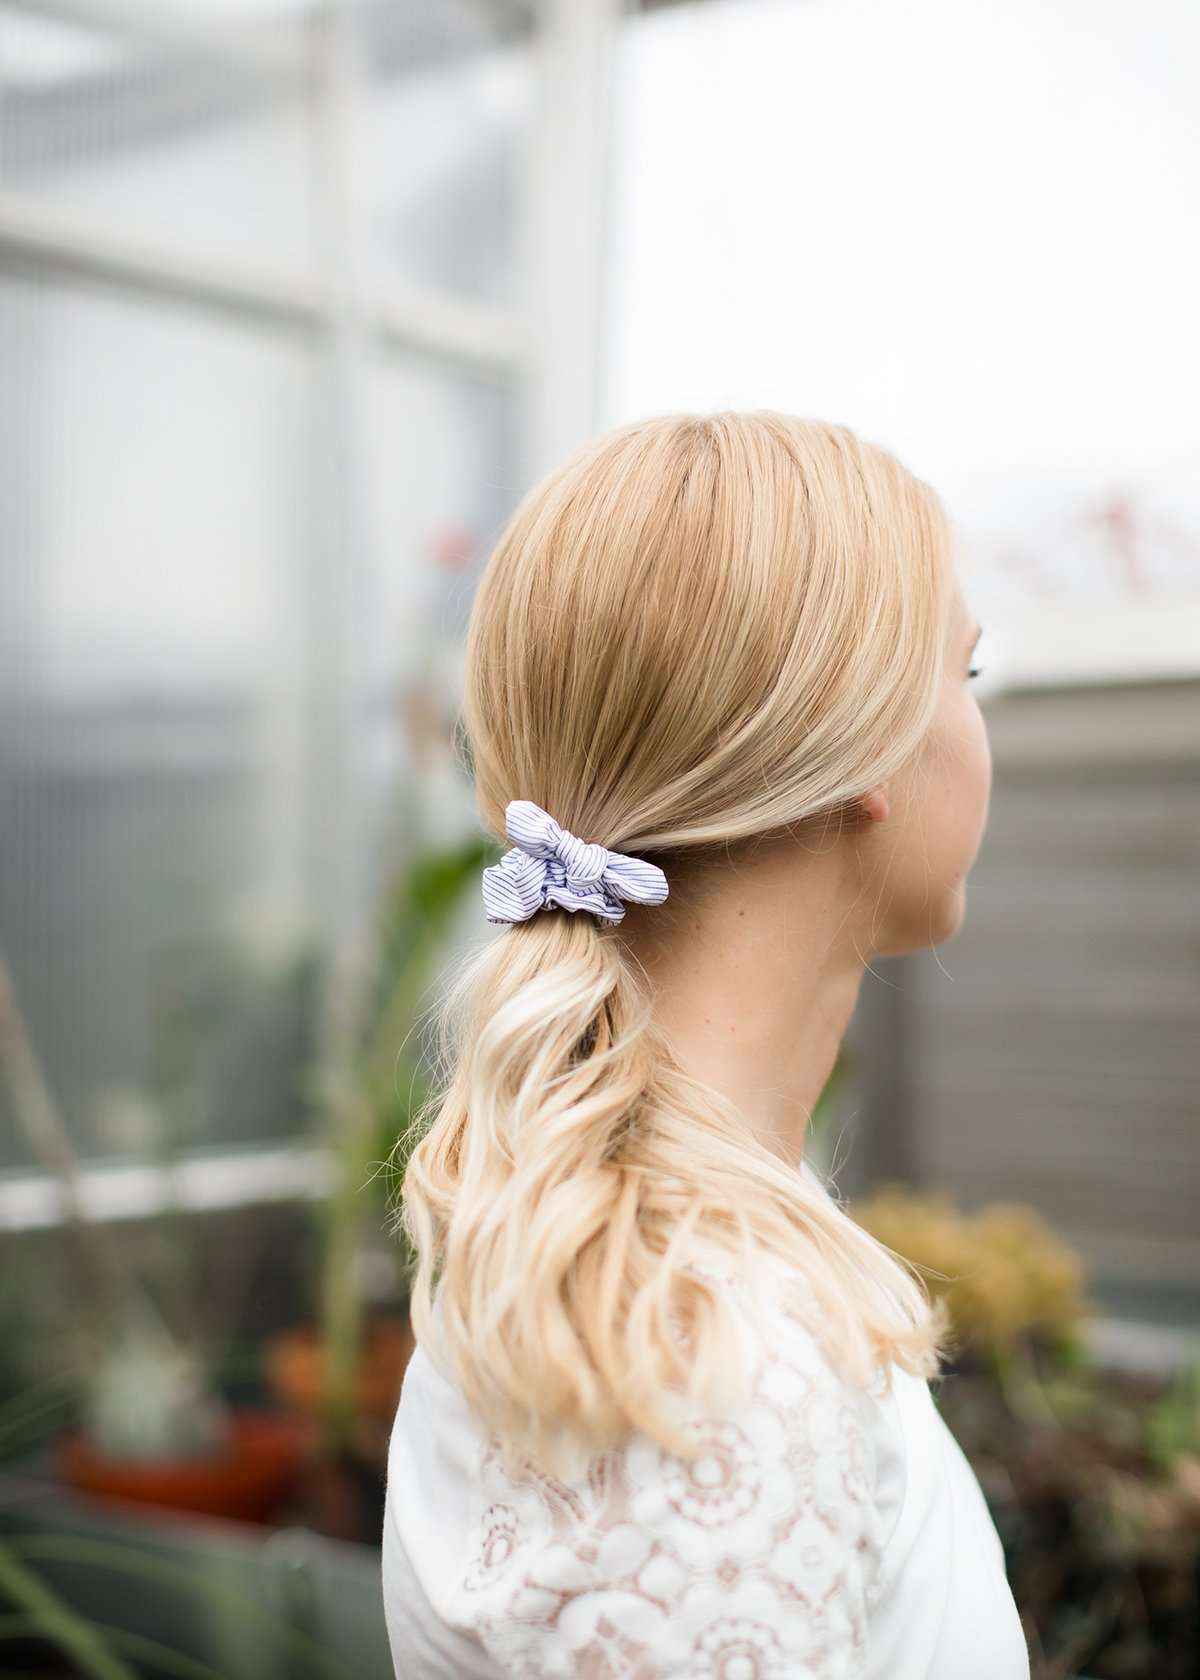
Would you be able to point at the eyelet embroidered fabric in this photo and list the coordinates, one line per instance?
(761, 1561)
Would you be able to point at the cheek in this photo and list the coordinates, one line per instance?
(983, 752)
(967, 741)
(977, 777)
(966, 759)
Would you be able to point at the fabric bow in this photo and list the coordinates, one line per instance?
(547, 866)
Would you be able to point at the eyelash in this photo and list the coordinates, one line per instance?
(975, 671)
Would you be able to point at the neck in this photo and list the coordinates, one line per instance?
(755, 977)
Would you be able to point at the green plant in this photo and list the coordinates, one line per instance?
(99, 1649)
(1172, 1425)
(372, 1083)
(41, 1611)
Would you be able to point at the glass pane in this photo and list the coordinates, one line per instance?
(442, 480)
(168, 142)
(447, 122)
(153, 542)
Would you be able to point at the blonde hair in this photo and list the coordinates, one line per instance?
(697, 629)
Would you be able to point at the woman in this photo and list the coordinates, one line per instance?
(669, 1413)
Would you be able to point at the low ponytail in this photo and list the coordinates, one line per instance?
(533, 1200)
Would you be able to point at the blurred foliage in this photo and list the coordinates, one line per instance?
(1002, 1272)
(1092, 1473)
(108, 1336)
(369, 1091)
(40, 1611)
(1173, 1426)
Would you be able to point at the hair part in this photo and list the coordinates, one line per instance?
(697, 629)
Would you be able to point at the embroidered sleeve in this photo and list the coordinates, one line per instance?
(759, 1561)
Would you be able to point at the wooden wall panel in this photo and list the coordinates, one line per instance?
(1052, 1048)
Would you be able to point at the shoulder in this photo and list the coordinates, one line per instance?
(794, 1380)
(767, 1549)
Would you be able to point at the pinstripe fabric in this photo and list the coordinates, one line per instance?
(548, 866)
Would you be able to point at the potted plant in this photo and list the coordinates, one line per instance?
(151, 1424)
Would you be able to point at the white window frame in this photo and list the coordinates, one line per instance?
(563, 215)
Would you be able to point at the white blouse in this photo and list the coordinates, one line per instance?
(827, 1532)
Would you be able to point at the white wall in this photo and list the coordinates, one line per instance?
(970, 231)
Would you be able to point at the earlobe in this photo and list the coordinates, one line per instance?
(875, 803)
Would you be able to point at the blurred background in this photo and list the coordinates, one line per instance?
(296, 300)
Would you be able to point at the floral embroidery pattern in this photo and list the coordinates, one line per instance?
(499, 1542)
(759, 1561)
(735, 1649)
(720, 1486)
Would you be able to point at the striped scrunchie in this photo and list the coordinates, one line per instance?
(548, 866)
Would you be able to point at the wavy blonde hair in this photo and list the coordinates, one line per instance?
(697, 629)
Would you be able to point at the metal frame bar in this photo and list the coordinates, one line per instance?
(274, 45)
(405, 317)
(197, 1184)
(566, 222)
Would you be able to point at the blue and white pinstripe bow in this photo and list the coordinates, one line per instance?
(548, 866)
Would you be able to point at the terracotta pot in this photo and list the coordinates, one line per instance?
(294, 1364)
(248, 1480)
